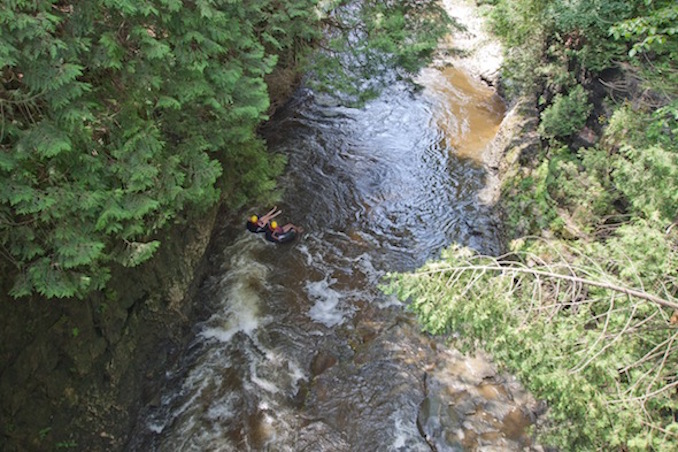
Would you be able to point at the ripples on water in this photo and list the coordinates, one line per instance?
(302, 351)
(389, 170)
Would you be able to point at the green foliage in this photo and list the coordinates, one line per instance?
(518, 22)
(641, 252)
(372, 43)
(646, 167)
(582, 30)
(632, 172)
(546, 40)
(654, 31)
(594, 183)
(66, 444)
(549, 40)
(531, 208)
(523, 26)
(649, 179)
(119, 115)
(581, 184)
(44, 432)
(651, 35)
(569, 329)
(566, 115)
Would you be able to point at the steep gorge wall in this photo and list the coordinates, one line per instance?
(73, 370)
(74, 373)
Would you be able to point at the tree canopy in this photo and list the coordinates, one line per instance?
(583, 306)
(116, 116)
(119, 117)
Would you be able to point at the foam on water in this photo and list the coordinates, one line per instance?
(241, 299)
(377, 189)
(327, 308)
(221, 411)
(243, 316)
(155, 427)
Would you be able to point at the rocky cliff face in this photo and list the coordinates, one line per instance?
(72, 371)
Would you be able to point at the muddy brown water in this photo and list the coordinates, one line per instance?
(302, 351)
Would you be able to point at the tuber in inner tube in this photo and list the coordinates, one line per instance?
(281, 238)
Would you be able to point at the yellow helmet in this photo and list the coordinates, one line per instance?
(254, 219)
(274, 224)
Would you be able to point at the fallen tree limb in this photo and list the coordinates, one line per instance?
(575, 279)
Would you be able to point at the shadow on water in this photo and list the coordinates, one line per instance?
(301, 351)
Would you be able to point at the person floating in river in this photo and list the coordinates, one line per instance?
(282, 234)
(257, 224)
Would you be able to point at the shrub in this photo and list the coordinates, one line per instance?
(566, 115)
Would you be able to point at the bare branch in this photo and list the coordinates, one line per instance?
(605, 285)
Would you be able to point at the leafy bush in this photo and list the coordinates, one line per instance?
(523, 27)
(566, 115)
(581, 185)
(646, 165)
(649, 179)
(531, 208)
(582, 31)
(652, 37)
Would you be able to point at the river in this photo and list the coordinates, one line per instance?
(301, 351)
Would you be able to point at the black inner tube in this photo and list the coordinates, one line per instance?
(253, 227)
(281, 238)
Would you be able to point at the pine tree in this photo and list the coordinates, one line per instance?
(118, 115)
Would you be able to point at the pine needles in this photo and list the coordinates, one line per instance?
(581, 337)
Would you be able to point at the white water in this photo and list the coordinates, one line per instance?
(301, 350)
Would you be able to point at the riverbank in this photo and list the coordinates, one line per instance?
(473, 48)
(477, 52)
(581, 163)
(73, 371)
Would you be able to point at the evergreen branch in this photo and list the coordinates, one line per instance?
(648, 356)
(25, 100)
(661, 365)
(656, 427)
(609, 344)
(605, 326)
(645, 397)
(571, 304)
(575, 279)
(8, 256)
(637, 326)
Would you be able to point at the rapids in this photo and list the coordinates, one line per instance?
(301, 350)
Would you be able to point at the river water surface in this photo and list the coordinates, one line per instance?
(302, 352)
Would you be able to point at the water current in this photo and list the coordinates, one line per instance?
(301, 350)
